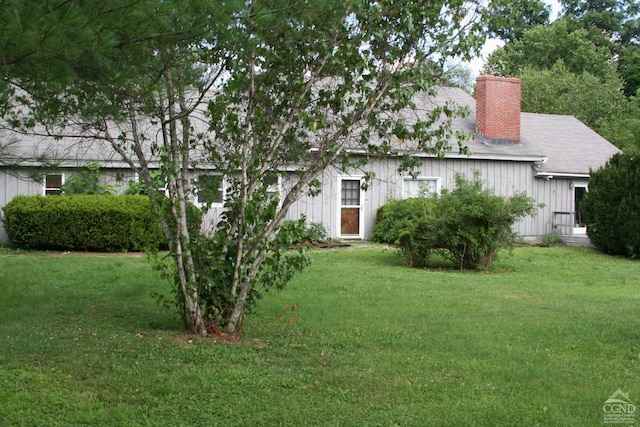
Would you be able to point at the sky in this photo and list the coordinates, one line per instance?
(491, 44)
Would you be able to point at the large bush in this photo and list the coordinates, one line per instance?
(474, 224)
(467, 225)
(402, 223)
(611, 208)
(83, 222)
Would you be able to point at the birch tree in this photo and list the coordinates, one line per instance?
(251, 89)
(159, 62)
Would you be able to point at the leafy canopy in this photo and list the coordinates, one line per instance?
(585, 96)
(508, 20)
(265, 93)
(542, 47)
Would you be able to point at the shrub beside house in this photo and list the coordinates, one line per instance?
(468, 225)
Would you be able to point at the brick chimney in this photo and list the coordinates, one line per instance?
(498, 108)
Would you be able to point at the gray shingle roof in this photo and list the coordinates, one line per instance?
(569, 145)
(557, 145)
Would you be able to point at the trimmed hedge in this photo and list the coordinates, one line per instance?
(82, 223)
(611, 208)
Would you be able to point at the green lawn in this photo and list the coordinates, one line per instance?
(543, 339)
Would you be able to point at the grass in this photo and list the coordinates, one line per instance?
(542, 339)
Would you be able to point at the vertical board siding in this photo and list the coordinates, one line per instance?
(505, 178)
(15, 182)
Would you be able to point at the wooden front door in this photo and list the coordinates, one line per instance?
(350, 208)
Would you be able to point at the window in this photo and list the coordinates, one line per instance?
(53, 184)
(210, 189)
(420, 187)
(350, 193)
(273, 190)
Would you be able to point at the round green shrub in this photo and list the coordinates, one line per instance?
(468, 225)
(407, 224)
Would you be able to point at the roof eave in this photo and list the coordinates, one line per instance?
(551, 175)
(527, 158)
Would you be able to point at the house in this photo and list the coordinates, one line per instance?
(549, 157)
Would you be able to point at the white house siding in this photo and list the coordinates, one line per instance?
(14, 183)
(323, 208)
(505, 178)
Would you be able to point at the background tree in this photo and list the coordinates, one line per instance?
(613, 25)
(624, 128)
(54, 40)
(250, 89)
(558, 91)
(629, 68)
(456, 74)
(542, 47)
(508, 20)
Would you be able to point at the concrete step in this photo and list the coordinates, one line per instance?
(579, 240)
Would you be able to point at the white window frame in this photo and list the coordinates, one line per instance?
(52, 191)
(223, 190)
(406, 180)
(276, 189)
(577, 230)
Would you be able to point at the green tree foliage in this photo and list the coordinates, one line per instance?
(458, 75)
(629, 68)
(508, 20)
(624, 128)
(542, 47)
(249, 88)
(604, 14)
(612, 24)
(59, 40)
(559, 91)
(468, 225)
(611, 208)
